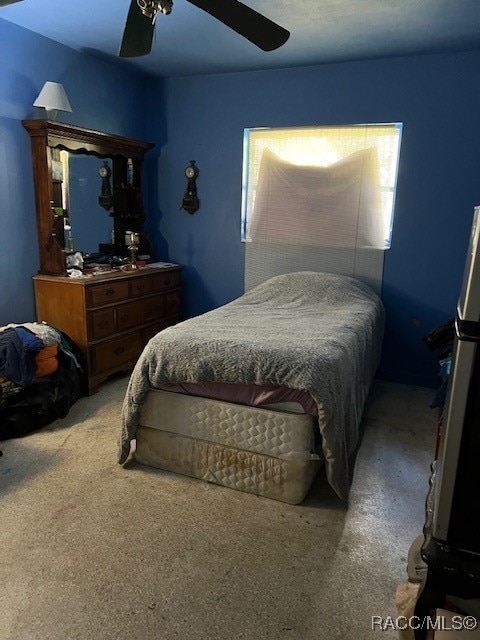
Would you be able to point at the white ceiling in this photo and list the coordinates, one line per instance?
(190, 42)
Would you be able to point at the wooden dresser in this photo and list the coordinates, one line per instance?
(110, 317)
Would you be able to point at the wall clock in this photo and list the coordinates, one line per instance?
(105, 199)
(190, 202)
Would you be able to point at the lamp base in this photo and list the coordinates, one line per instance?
(133, 248)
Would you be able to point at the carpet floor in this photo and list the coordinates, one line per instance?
(91, 550)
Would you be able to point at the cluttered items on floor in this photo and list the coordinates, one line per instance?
(41, 377)
(440, 342)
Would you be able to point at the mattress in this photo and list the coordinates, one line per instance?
(253, 395)
(262, 451)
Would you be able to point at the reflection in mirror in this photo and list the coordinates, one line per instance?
(60, 180)
(90, 223)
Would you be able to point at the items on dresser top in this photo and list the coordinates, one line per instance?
(94, 264)
(160, 265)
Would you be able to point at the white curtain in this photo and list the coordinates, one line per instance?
(334, 206)
(327, 213)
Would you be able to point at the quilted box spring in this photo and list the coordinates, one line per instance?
(268, 453)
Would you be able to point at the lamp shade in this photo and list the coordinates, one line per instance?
(53, 96)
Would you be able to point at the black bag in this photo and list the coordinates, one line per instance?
(46, 399)
(440, 340)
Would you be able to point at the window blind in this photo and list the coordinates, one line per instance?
(320, 196)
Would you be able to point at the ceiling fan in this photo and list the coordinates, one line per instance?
(140, 25)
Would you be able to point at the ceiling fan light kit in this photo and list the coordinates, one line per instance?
(150, 8)
(258, 29)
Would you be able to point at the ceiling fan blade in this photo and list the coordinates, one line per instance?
(138, 35)
(3, 3)
(248, 23)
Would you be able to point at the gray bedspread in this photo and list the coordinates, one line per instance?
(315, 331)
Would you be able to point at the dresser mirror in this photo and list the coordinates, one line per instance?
(87, 223)
(72, 169)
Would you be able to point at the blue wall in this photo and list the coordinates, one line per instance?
(102, 96)
(202, 118)
(438, 100)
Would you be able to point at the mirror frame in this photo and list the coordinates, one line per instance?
(46, 135)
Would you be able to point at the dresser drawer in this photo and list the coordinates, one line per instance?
(129, 315)
(105, 293)
(153, 329)
(113, 353)
(102, 323)
(141, 286)
(172, 303)
(153, 309)
(168, 280)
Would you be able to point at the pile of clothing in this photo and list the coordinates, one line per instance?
(42, 374)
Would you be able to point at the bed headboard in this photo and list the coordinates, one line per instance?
(310, 218)
(263, 261)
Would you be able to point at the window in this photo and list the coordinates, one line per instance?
(309, 163)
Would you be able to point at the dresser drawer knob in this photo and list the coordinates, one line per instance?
(103, 324)
(119, 350)
(123, 318)
(140, 287)
(109, 292)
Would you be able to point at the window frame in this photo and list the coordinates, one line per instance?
(390, 189)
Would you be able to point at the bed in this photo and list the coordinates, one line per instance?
(317, 336)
